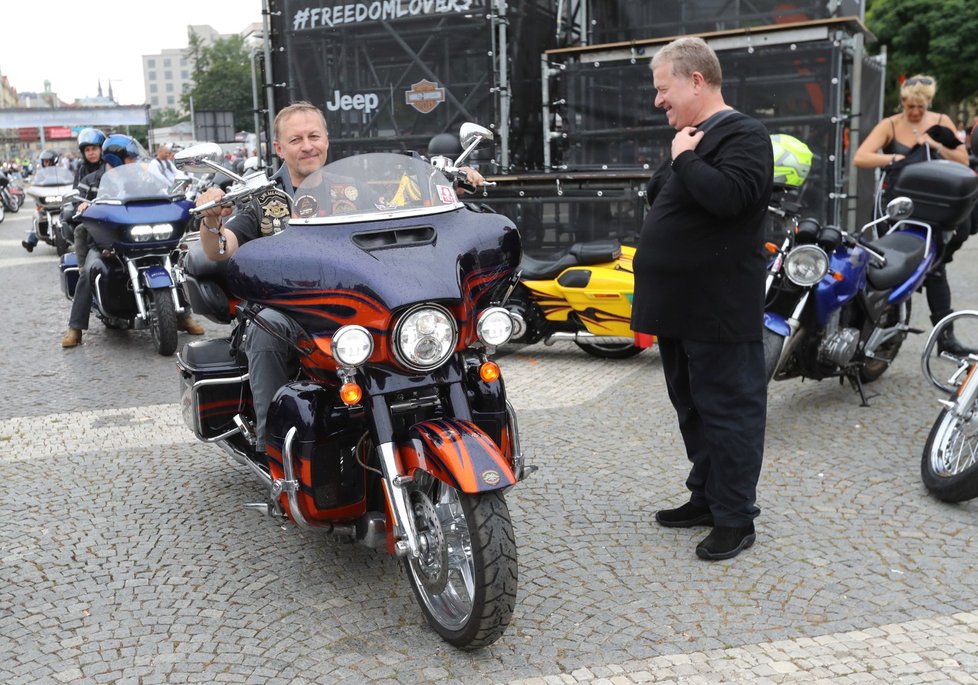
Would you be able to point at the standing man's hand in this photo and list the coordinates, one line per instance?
(686, 139)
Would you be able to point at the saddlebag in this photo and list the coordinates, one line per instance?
(214, 388)
(943, 192)
(69, 274)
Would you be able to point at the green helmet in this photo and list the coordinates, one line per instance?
(792, 160)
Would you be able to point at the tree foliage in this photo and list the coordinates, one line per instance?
(936, 37)
(162, 118)
(222, 79)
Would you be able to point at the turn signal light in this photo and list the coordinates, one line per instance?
(838, 276)
(771, 247)
(351, 394)
(489, 372)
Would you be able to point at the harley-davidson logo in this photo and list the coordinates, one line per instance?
(490, 477)
(424, 96)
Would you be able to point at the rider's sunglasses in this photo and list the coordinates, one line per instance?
(922, 80)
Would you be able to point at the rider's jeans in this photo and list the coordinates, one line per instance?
(272, 362)
(81, 305)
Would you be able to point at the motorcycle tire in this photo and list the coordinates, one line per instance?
(163, 322)
(949, 467)
(871, 369)
(2, 216)
(470, 545)
(60, 244)
(609, 350)
(773, 343)
(11, 202)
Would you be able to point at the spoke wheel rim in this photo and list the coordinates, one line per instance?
(451, 597)
(957, 446)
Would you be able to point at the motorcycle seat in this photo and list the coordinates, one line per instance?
(578, 254)
(206, 285)
(903, 251)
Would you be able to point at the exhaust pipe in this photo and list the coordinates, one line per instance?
(581, 336)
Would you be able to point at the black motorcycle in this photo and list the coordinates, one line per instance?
(396, 433)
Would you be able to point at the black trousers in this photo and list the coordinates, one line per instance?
(719, 391)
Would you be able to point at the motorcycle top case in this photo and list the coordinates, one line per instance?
(943, 192)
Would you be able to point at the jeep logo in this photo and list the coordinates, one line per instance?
(365, 102)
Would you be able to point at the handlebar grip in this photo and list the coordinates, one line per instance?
(204, 207)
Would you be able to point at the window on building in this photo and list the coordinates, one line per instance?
(152, 88)
(151, 63)
(170, 100)
(167, 75)
(169, 87)
(185, 75)
(151, 75)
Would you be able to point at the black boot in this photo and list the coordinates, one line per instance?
(946, 342)
(27, 246)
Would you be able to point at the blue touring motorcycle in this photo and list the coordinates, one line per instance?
(838, 305)
(135, 225)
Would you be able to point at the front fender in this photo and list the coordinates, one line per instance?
(458, 453)
(776, 324)
(157, 277)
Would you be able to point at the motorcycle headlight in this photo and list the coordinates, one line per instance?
(352, 345)
(424, 337)
(494, 327)
(806, 265)
(141, 233)
(162, 231)
(52, 200)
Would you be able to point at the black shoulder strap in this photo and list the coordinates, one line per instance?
(715, 119)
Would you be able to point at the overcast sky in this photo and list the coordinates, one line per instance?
(46, 40)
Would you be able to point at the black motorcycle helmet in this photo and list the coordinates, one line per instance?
(444, 144)
(49, 158)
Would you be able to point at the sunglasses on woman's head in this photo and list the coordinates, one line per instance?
(922, 80)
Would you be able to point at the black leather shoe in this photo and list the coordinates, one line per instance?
(686, 516)
(946, 342)
(27, 246)
(725, 542)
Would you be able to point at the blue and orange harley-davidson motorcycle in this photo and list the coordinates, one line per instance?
(135, 225)
(396, 433)
(838, 305)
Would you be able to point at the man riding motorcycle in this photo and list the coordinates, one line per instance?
(48, 158)
(117, 149)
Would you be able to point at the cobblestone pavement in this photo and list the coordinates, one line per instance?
(126, 555)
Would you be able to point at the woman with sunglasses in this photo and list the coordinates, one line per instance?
(892, 138)
(891, 141)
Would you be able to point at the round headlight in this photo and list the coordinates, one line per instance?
(162, 231)
(352, 345)
(495, 327)
(141, 233)
(424, 337)
(806, 265)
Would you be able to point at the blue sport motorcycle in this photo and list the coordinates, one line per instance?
(134, 226)
(838, 305)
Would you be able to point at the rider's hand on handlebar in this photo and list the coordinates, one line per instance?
(213, 195)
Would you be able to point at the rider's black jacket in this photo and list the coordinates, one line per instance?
(86, 168)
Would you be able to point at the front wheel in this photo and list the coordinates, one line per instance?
(773, 344)
(607, 350)
(466, 576)
(60, 243)
(949, 468)
(163, 322)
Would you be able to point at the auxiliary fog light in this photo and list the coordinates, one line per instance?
(352, 345)
(351, 394)
(489, 372)
(494, 326)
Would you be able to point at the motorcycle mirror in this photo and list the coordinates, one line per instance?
(472, 133)
(899, 208)
(200, 159)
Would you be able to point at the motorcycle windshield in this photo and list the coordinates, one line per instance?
(371, 187)
(132, 183)
(52, 176)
